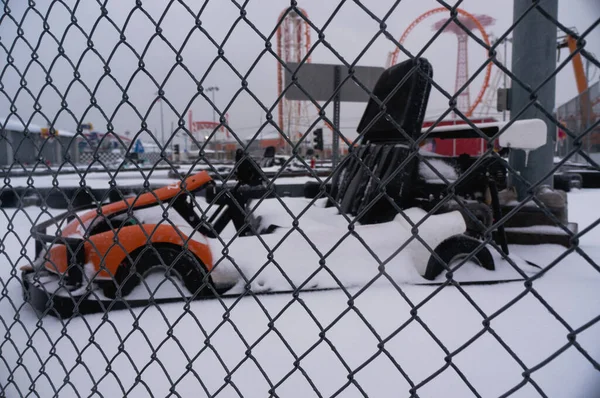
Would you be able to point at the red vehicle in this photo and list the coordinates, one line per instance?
(457, 146)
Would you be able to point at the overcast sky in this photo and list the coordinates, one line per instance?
(349, 32)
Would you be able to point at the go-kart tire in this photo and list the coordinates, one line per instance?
(191, 271)
(452, 249)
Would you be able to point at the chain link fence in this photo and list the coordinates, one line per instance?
(396, 270)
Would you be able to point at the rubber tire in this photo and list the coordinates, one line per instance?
(456, 246)
(189, 269)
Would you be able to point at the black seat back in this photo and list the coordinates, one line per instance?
(403, 91)
(381, 163)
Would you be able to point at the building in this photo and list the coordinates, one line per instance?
(572, 116)
(263, 140)
(28, 146)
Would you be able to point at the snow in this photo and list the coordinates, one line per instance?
(435, 168)
(351, 262)
(52, 284)
(14, 124)
(269, 135)
(101, 180)
(513, 203)
(538, 229)
(94, 180)
(245, 336)
(298, 252)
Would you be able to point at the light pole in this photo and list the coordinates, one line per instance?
(162, 123)
(505, 41)
(212, 90)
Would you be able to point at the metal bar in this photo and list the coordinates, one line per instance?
(75, 261)
(337, 78)
(532, 62)
(162, 125)
(497, 212)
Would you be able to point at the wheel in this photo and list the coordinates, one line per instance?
(454, 248)
(190, 270)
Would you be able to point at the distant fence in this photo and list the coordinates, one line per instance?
(573, 115)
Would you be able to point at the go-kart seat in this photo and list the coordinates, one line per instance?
(382, 162)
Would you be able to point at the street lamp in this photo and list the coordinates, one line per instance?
(162, 122)
(212, 90)
(505, 41)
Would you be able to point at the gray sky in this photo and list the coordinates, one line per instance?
(349, 32)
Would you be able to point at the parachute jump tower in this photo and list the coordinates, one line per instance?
(463, 102)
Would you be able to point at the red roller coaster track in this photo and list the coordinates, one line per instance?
(293, 44)
(394, 55)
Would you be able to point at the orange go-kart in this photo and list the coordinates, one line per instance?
(111, 249)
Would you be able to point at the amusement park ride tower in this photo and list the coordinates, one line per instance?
(469, 22)
(463, 102)
(293, 43)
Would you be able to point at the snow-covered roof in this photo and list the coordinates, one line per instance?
(269, 135)
(152, 147)
(14, 124)
(65, 133)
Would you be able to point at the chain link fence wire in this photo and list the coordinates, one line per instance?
(198, 269)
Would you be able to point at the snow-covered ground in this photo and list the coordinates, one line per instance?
(315, 343)
(102, 180)
(97, 180)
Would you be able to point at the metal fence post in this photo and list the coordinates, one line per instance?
(533, 60)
